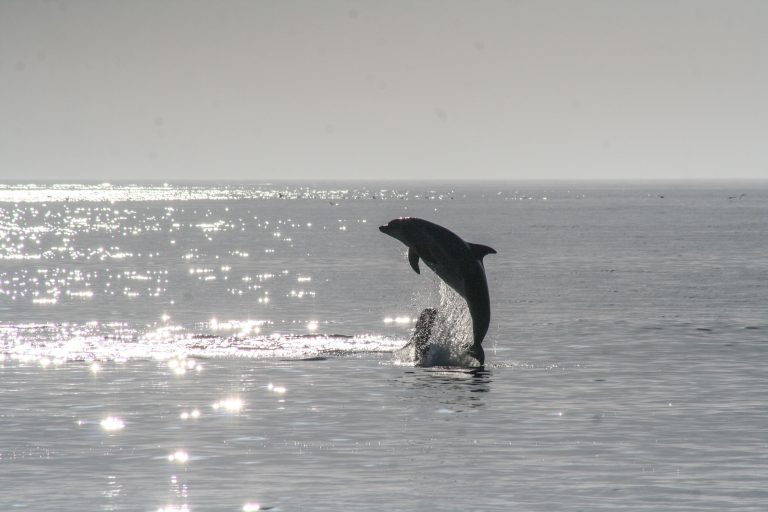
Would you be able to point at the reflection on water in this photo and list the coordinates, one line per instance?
(456, 388)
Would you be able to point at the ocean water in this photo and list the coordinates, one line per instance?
(234, 347)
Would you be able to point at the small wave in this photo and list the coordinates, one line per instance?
(66, 342)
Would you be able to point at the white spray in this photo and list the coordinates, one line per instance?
(452, 330)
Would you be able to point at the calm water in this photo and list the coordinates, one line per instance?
(177, 347)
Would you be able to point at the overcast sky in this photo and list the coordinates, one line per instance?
(388, 89)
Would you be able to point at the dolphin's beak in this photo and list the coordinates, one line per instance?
(384, 229)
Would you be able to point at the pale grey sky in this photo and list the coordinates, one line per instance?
(388, 89)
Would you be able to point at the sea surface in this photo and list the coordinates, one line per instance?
(234, 347)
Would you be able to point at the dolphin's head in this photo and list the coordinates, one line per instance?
(397, 228)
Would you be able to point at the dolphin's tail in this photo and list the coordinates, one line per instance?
(478, 353)
(479, 306)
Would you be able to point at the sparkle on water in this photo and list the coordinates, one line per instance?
(111, 423)
(174, 508)
(179, 456)
(233, 405)
(156, 251)
(194, 414)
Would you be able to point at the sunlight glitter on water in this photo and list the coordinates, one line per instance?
(174, 508)
(175, 346)
(180, 366)
(245, 327)
(112, 193)
(401, 320)
(179, 456)
(194, 414)
(112, 423)
(231, 405)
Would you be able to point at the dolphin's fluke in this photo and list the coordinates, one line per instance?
(480, 250)
(413, 259)
(478, 353)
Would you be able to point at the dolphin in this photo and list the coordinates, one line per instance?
(458, 263)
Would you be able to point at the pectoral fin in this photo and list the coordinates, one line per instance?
(479, 251)
(413, 259)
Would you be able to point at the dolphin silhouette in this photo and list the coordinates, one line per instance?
(458, 263)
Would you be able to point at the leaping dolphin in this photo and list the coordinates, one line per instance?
(458, 263)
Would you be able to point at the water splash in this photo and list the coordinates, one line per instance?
(451, 331)
(453, 320)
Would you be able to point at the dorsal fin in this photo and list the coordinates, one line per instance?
(413, 259)
(479, 251)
